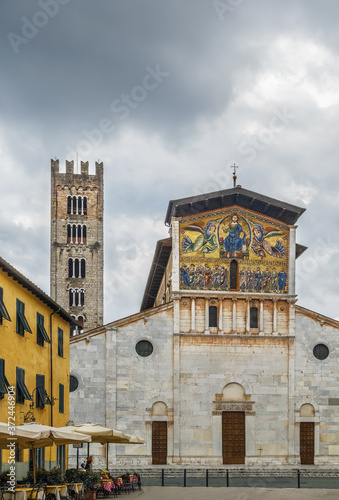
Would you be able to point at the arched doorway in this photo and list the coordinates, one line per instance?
(159, 434)
(307, 435)
(233, 426)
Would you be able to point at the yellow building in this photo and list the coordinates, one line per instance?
(34, 362)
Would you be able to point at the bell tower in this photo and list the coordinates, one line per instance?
(76, 270)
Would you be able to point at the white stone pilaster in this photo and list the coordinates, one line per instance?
(234, 316)
(220, 323)
(248, 316)
(111, 387)
(217, 435)
(207, 326)
(175, 255)
(291, 405)
(292, 317)
(176, 315)
(275, 319)
(261, 317)
(176, 399)
(250, 434)
(193, 315)
(291, 265)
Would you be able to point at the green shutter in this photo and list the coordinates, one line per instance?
(61, 398)
(3, 310)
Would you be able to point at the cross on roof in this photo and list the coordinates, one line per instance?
(234, 174)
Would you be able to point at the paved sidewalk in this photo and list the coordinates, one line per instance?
(180, 493)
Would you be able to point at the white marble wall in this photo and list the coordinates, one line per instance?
(188, 373)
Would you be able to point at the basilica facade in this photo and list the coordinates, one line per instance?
(220, 366)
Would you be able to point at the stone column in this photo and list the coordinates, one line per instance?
(175, 255)
(193, 315)
(291, 328)
(291, 265)
(275, 322)
(248, 316)
(207, 326)
(221, 329)
(176, 313)
(234, 316)
(261, 317)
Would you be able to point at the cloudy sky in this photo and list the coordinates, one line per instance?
(168, 94)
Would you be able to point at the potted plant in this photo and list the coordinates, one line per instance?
(4, 478)
(49, 477)
(91, 484)
(75, 476)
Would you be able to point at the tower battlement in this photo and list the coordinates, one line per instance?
(71, 168)
(77, 240)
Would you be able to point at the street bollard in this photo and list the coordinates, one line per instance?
(227, 479)
(184, 477)
(298, 478)
(162, 477)
(206, 477)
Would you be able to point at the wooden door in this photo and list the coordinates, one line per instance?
(307, 442)
(159, 443)
(233, 437)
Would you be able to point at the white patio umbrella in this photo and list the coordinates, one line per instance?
(8, 433)
(33, 435)
(100, 434)
(136, 440)
(50, 435)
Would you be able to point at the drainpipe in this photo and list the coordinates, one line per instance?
(51, 360)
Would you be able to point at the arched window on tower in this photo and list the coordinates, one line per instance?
(70, 268)
(79, 205)
(84, 234)
(69, 205)
(234, 275)
(254, 317)
(74, 205)
(83, 268)
(79, 234)
(76, 268)
(74, 233)
(69, 233)
(84, 205)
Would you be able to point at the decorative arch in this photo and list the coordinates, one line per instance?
(233, 392)
(307, 410)
(233, 398)
(159, 409)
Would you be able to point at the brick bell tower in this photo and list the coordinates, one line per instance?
(77, 242)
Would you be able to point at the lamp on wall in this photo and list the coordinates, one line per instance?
(29, 417)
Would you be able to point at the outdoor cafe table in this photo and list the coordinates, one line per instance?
(22, 494)
(56, 489)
